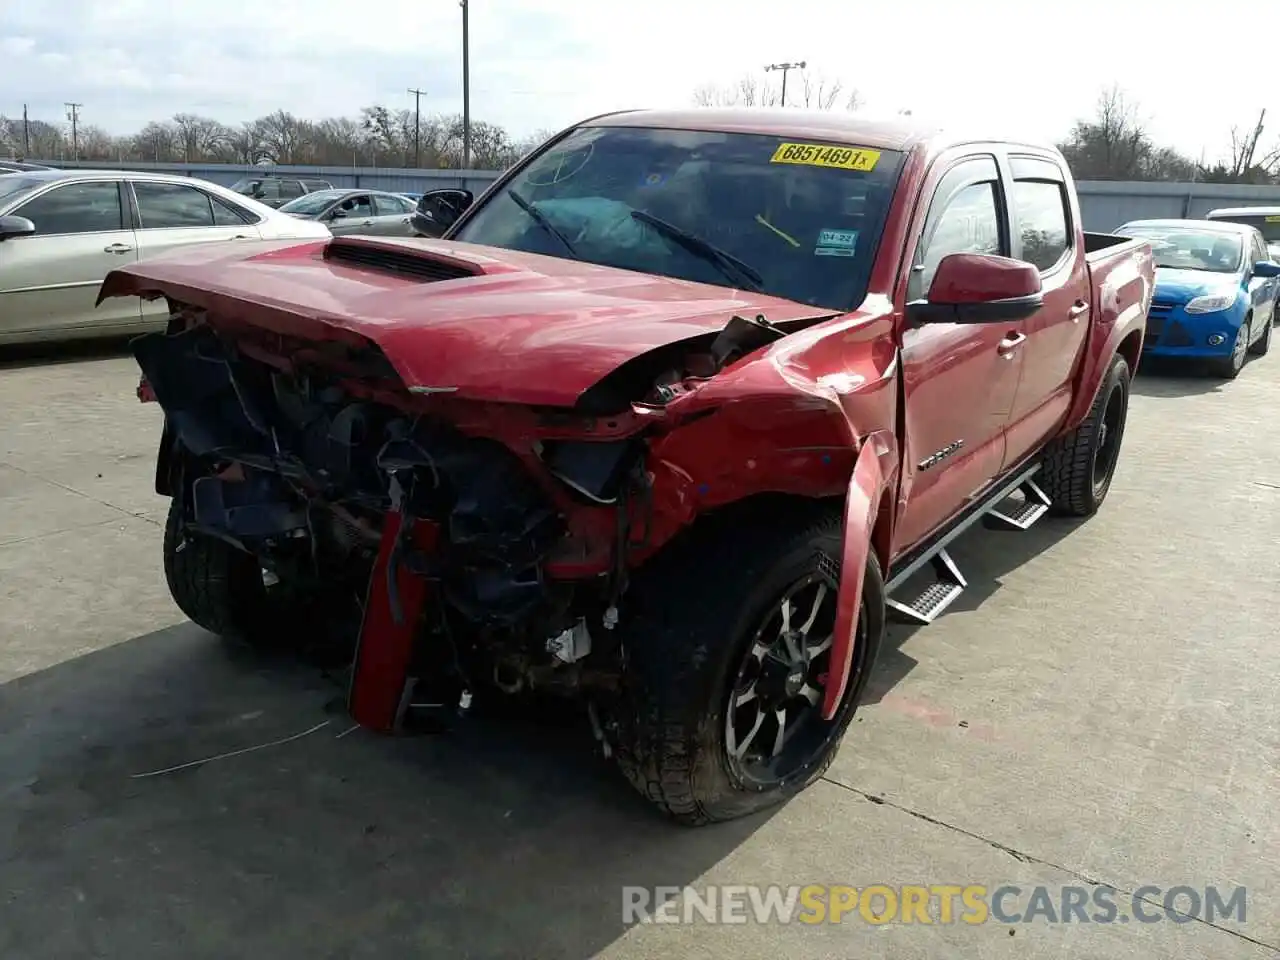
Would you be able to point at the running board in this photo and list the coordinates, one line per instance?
(1020, 515)
(936, 597)
(948, 582)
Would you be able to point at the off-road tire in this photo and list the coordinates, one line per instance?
(217, 586)
(1229, 367)
(1263, 343)
(693, 612)
(1067, 472)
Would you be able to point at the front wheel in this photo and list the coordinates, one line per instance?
(728, 653)
(1229, 367)
(1078, 467)
(1263, 344)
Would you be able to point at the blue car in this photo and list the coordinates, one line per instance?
(1216, 291)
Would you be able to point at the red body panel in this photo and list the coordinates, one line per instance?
(525, 329)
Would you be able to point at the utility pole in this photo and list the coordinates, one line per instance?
(26, 134)
(785, 68)
(417, 125)
(466, 89)
(73, 114)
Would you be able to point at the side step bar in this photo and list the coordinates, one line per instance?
(948, 582)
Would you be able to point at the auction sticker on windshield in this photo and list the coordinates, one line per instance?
(825, 155)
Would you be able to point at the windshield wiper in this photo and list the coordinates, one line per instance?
(538, 217)
(740, 273)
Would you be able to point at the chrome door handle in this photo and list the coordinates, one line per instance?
(404, 220)
(1010, 344)
(1078, 310)
(117, 248)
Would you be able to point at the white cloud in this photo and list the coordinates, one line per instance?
(1008, 67)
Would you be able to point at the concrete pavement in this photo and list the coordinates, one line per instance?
(1097, 709)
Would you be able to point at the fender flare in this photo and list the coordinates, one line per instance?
(861, 507)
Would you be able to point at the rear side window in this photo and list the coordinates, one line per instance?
(1041, 210)
(76, 208)
(170, 205)
(290, 189)
(226, 215)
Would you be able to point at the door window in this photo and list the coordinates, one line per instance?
(389, 206)
(359, 206)
(965, 218)
(76, 208)
(1041, 209)
(226, 215)
(290, 189)
(169, 205)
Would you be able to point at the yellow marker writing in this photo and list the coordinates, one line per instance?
(765, 223)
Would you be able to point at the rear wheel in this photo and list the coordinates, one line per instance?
(729, 649)
(1229, 367)
(1078, 467)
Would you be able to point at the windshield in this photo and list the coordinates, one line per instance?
(310, 204)
(12, 184)
(1267, 224)
(799, 221)
(1183, 248)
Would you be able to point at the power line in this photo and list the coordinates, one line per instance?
(417, 125)
(785, 68)
(73, 114)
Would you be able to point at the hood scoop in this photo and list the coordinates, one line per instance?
(397, 259)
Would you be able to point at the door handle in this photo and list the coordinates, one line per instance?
(117, 248)
(1078, 310)
(404, 219)
(1010, 344)
(366, 223)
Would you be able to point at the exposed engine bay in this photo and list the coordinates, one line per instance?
(296, 451)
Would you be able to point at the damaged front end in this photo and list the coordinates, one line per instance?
(483, 545)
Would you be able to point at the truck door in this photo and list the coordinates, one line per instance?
(1046, 233)
(959, 379)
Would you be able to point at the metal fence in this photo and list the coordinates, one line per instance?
(1104, 204)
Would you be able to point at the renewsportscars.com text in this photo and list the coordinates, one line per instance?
(931, 904)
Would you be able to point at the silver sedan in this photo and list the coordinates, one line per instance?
(62, 231)
(346, 211)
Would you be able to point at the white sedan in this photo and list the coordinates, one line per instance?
(62, 231)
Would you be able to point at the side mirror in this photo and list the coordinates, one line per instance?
(16, 227)
(1266, 269)
(979, 288)
(338, 215)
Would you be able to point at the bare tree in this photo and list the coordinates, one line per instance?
(1114, 143)
(197, 136)
(816, 92)
(282, 136)
(155, 142)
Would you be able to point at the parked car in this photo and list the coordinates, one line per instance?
(663, 423)
(1216, 289)
(1265, 219)
(355, 211)
(438, 210)
(276, 191)
(62, 231)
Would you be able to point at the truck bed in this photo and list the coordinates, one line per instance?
(1097, 246)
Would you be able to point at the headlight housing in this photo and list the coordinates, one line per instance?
(1210, 303)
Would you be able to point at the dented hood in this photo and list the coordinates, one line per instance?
(478, 322)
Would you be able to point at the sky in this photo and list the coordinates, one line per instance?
(1018, 69)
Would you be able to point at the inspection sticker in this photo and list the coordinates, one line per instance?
(826, 155)
(837, 238)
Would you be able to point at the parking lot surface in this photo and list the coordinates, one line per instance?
(1097, 709)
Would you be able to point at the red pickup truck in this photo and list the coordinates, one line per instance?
(664, 422)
